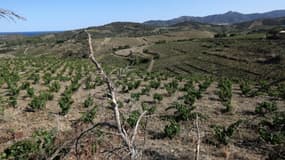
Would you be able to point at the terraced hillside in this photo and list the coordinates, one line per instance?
(215, 93)
(245, 58)
(46, 103)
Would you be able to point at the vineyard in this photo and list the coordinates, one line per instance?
(47, 104)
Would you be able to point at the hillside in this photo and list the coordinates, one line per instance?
(226, 18)
(262, 23)
(197, 89)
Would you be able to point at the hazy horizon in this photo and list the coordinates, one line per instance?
(66, 15)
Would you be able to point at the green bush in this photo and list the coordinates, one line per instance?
(205, 85)
(54, 86)
(25, 86)
(245, 88)
(13, 101)
(189, 99)
(266, 107)
(88, 102)
(38, 103)
(225, 94)
(157, 97)
(154, 84)
(39, 146)
(149, 108)
(88, 83)
(133, 118)
(35, 78)
(171, 87)
(145, 90)
(47, 96)
(88, 116)
(30, 92)
(172, 129)
(135, 96)
(273, 130)
(65, 103)
(183, 112)
(224, 134)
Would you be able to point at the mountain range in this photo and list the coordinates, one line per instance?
(227, 18)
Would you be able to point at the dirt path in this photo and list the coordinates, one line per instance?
(149, 69)
(26, 50)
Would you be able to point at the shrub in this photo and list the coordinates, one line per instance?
(137, 84)
(145, 90)
(154, 84)
(281, 90)
(266, 107)
(35, 78)
(13, 90)
(47, 78)
(205, 85)
(133, 118)
(149, 108)
(88, 116)
(273, 131)
(88, 102)
(189, 99)
(135, 96)
(20, 150)
(264, 87)
(54, 87)
(183, 112)
(171, 87)
(38, 103)
(223, 134)
(172, 129)
(98, 81)
(65, 103)
(47, 96)
(229, 107)
(157, 97)
(30, 92)
(37, 147)
(13, 101)
(225, 94)
(245, 88)
(88, 83)
(25, 85)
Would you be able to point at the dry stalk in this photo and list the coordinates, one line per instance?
(197, 155)
(129, 141)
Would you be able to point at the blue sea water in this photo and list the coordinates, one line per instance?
(29, 34)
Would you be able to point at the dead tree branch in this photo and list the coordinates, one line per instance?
(129, 141)
(7, 14)
(197, 156)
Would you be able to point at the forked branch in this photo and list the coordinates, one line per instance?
(129, 141)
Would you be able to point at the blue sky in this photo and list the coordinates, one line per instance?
(56, 15)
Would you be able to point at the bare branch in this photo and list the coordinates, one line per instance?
(7, 14)
(125, 136)
(136, 127)
(197, 156)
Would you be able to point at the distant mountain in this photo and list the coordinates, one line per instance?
(220, 19)
(261, 23)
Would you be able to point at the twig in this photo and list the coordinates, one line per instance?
(197, 156)
(55, 154)
(10, 15)
(136, 127)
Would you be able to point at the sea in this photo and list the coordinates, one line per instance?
(28, 34)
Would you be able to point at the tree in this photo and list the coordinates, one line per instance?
(7, 14)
